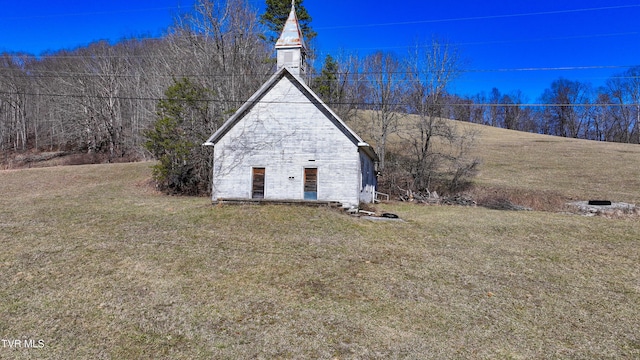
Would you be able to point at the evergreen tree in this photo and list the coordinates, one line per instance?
(326, 85)
(175, 140)
(276, 15)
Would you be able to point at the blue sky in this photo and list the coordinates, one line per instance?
(510, 45)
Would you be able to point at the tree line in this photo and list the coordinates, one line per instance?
(110, 98)
(567, 108)
(100, 98)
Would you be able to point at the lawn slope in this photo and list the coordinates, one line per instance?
(529, 167)
(581, 169)
(98, 265)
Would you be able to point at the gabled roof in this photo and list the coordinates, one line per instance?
(310, 94)
(291, 35)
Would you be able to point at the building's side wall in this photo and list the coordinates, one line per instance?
(284, 133)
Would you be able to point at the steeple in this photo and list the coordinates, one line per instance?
(290, 47)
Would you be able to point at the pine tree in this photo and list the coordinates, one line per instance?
(326, 85)
(175, 139)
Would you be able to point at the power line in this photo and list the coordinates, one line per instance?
(576, 37)
(470, 18)
(55, 73)
(578, 10)
(581, 37)
(559, 68)
(487, 17)
(358, 104)
(164, 56)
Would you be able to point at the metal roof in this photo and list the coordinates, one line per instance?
(291, 34)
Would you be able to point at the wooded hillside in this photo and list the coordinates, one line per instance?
(101, 98)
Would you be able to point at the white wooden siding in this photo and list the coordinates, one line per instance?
(283, 132)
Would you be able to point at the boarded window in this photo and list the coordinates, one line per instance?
(311, 184)
(257, 191)
(288, 57)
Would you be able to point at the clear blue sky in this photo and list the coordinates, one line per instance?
(508, 44)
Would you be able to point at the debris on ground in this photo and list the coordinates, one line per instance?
(380, 218)
(373, 216)
(460, 200)
(432, 198)
(615, 209)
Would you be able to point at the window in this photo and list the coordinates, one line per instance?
(288, 57)
(257, 187)
(311, 184)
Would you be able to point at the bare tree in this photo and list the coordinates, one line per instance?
(343, 87)
(495, 111)
(623, 94)
(437, 147)
(15, 85)
(222, 40)
(567, 107)
(383, 74)
(516, 116)
(461, 109)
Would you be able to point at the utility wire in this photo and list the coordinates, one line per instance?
(487, 17)
(469, 18)
(578, 10)
(55, 73)
(67, 55)
(358, 104)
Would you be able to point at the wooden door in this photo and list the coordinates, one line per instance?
(311, 184)
(257, 187)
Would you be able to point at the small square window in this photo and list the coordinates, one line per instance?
(288, 57)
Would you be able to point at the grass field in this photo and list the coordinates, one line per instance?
(98, 265)
(578, 169)
(528, 167)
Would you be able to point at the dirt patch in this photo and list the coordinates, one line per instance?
(30, 159)
(34, 159)
(502, 204)
(518, 199)
(495, 198)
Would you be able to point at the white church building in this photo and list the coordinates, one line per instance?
(286, 144)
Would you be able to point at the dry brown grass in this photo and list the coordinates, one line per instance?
(579, 169)
(98, 265)
(544, 172)
(40, 159)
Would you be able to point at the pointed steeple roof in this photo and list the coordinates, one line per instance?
(291, 34)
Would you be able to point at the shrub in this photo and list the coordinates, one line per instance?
(175, 140)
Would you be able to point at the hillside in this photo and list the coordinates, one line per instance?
(580, 169)
(531, 167)
(96, 264)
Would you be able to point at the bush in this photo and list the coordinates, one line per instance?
(175, 140)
